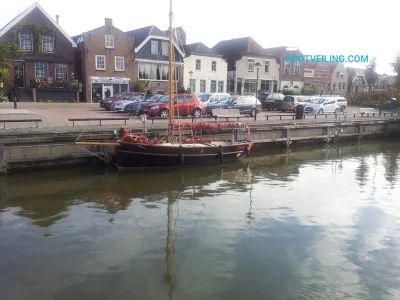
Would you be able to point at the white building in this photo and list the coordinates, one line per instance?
(245, 56)
(204, 70)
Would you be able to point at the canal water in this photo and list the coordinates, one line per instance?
(309, 224)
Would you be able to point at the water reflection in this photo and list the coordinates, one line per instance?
(306, 224)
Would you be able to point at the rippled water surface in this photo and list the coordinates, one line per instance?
(311, 224)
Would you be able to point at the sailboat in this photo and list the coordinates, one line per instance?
(134, 152)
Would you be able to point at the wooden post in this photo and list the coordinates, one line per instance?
(359, 131)
(287, 138)
(34, 94)
(3, 164)
(106, 155)
(328, 132)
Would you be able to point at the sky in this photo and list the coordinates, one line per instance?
(315, 27)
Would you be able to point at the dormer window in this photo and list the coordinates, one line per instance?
(109, 41)
(154, 47)
(165, 48)
(47, 44)
(25, 42)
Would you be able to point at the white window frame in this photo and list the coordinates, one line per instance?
(266, 66)
(250, 65)
(297, 68)
(109, 41)
(198, 61)
(45, 70)
(20, 44)
(123, 63)
(105, 63)
(57, 68)
(52, 41)
(154, 47)
(287, 64)
(164, 48)
(214, 66)
(203, 81)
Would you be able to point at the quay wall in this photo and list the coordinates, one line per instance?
(25, 150)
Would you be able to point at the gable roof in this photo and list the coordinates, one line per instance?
(141, 34)
(26, 12)
(236, 48)
(199, 49)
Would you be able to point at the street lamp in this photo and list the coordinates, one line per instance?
(258, 65)
(383, 85)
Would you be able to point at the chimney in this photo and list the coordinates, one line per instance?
(57, 17)
(108, 22)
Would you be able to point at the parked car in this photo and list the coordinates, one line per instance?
(290, 102)
(117, 97)
(184, 104)
(208, 98)
(136, 108)
(322, 105)
(245, 104)
(271, 101)
(342, 103)
(120, 105)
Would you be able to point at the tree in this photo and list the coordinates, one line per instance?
(138, 87)
(310, 90)
(396, 68)
(371, 77)
(7, 52)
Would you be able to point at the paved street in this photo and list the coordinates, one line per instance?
(57, 114)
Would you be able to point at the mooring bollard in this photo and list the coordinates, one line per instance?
(144, 119)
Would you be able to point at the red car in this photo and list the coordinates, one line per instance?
(184, 104)
(117, 97)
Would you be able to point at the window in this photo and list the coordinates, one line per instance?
(214, 66)
(193, 85)
(189, 99)
(119, 63)
(41, 70)
(337, 74)
(251, 65)
(341, 75)
(164, 48)
(264, 85)
(334, 86)
(344, 85)
(47, 43)
(339, 85)
(100, 62)
(297, 68)
(154, 47)
(202, 86)
(213, 86)
(198, 64)
(180, 99)
(153, 72)
(319, 74)
(287, 67)
(109, 41)
(25, 41)
(266, 67)
(176, 73)
(220, 86)
(61, 72)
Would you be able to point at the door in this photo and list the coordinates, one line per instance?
(248, 105)
(107, 91)
(19, 74)
(179, 105)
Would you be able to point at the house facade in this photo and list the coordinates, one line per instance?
(291, 73)
(46, 66)
(105, 61)
(356, 81)
(151, 59)
(339, 79)
(309, 73)
(243, 55)
(204, 70)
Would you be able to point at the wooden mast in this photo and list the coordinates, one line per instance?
(171, 75)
